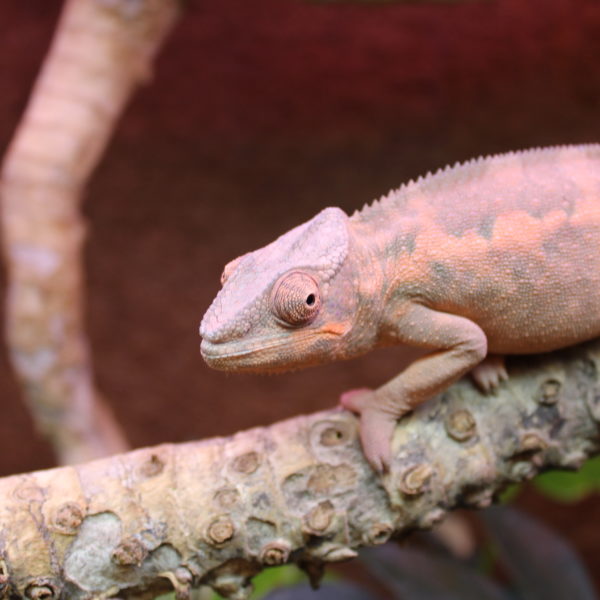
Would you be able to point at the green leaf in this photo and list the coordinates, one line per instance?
(567, 486)
(276, 577)
(266, 581)
(510, 493)
(542, 565)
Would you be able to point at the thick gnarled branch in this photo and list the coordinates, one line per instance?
(101, 52)
(218, 511)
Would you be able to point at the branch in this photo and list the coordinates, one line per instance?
(217, 512)
(102, 51)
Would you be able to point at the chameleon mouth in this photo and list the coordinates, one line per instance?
(212, 352)
(226, 357)
(271, 355)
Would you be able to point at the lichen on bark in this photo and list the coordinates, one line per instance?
(218, 511)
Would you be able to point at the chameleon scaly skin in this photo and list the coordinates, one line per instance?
(500, 255)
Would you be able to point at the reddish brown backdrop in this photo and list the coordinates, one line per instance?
(260, 114)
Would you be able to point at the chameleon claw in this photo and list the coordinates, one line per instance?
(376, 430)
(489, 373)
(376, 427)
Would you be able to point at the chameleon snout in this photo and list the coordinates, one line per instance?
(216, 330)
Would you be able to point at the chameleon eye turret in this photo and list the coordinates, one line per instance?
(296, 299)
(224, 275)
(229, 268)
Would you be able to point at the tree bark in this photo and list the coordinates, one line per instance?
(102, 51)
(218, 511)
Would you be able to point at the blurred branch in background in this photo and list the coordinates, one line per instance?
(102, 51)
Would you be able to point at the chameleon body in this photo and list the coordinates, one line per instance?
(500, 255)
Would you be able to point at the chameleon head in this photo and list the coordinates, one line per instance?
(287, 305)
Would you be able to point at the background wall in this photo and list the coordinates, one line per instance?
(259, 114)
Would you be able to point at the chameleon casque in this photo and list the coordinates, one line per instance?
(500, 255)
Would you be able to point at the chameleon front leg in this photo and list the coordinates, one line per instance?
(457, 345)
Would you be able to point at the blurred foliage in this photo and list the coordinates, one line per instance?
(419, 574)
(540, 563)
(562, 486)
(510, 493)
(566, 486)
(266, 581)
(271, 579)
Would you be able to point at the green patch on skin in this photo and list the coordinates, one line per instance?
(409, 242)
(441, 272)
(486, 227)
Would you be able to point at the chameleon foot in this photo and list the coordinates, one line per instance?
(376, 427)
(488, 374)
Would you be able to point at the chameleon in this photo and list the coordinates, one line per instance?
(493, 257)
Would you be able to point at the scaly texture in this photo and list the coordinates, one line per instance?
(497, 256)
(217, 512)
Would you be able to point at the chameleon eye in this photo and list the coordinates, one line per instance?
(296, 299)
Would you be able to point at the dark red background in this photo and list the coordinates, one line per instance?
(260, 114)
